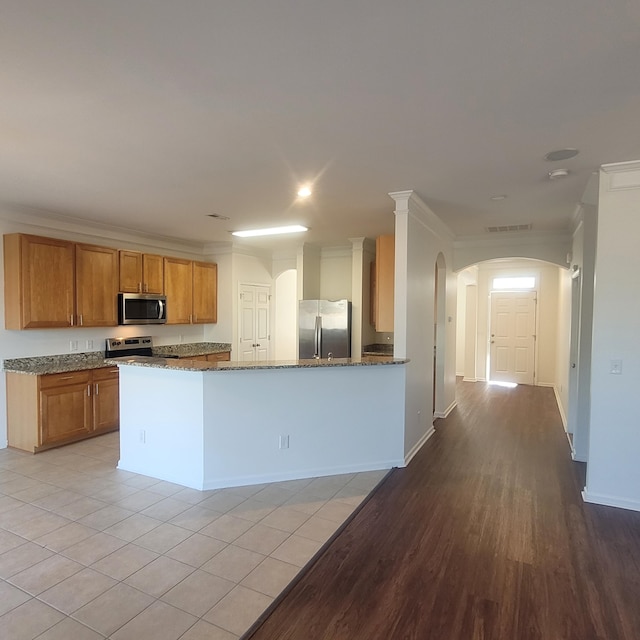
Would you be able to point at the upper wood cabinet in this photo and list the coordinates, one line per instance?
(57, 283)
(178, 287)
(191, 290)
(205, 292)
(39, 282)
(383, 283)
(141, 272)
(96, 286)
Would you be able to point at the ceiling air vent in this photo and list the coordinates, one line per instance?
(509, 227)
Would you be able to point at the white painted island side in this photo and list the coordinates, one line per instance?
(214, 425)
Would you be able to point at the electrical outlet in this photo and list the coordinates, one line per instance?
(73, 345)
(143, 436)
(616, 367)
(283, 442)
(89, 345)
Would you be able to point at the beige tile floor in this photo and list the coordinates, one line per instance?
(89, 552)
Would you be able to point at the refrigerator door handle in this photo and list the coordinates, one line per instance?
(318, 340)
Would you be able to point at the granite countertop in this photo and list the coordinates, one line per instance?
(64, 363)
(194, 365)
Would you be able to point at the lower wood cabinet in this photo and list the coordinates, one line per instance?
(49, 410)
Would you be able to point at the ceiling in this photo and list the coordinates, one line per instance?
(151, 114)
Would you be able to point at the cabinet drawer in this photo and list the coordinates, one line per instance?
(106, 373)
(61, 379)
(219, 357)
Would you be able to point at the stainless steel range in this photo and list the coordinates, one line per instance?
(127, 347)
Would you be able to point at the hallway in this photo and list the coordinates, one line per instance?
(484, 535)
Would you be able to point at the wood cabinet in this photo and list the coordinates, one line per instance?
(106, 400)
(96, 286)
(39, 282)
(141, 272)
(56, 283)
(49, 410)
(382, 289)
(222, 356)
(191, 290)
(205, 292)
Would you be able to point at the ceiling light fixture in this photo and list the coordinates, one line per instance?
(273, 231)
(304, 192)
(502, 196)
(561, 154)
(556, 174)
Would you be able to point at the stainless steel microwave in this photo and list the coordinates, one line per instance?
(142, 308)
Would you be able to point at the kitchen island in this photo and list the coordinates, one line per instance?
(209, 425)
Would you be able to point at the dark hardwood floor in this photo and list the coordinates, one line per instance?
(484, 535)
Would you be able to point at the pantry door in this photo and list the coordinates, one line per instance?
(513, 339)
(253, 314)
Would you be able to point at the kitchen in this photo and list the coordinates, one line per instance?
(334, 265)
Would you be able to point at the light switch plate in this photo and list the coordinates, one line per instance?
(616, 367)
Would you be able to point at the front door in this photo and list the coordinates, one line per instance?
(254, 337)
(512, 348)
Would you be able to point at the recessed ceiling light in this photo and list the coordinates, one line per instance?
(558, 173)
(502, 196)
(273, 231)
(304, 192)
(561, 154)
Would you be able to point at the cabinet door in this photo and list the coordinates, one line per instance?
(96, 286)
(106, 399)
(152, 273)
(65, 407)
(178, 287)
(385, 280)
(130, 271)
(38, 282)
(205, 292)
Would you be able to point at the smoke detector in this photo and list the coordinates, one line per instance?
(556, 174)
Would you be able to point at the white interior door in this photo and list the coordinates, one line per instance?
(513, 325)
(253, 313)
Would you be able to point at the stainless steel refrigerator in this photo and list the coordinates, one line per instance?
(324, 329)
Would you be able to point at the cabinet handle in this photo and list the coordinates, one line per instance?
(89, 390)
(80, 319)
(65, 378)
(146, 287)
(190, 319)
(97, 389)
(140, 287)
(71, 319)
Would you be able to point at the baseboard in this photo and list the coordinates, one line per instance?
(418, 445)
(563, 417)
(610, 501)
(577, 457)
(4, 444)
(465, 379)
(444, 414)
(241, 481)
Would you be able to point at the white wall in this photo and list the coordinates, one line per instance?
(466, 277)
(285, 330)
(613, 469)
(40, 342)
(420, 237)
(563, 343)
(335, 274)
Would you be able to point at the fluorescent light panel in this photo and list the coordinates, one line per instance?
(273, 231)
